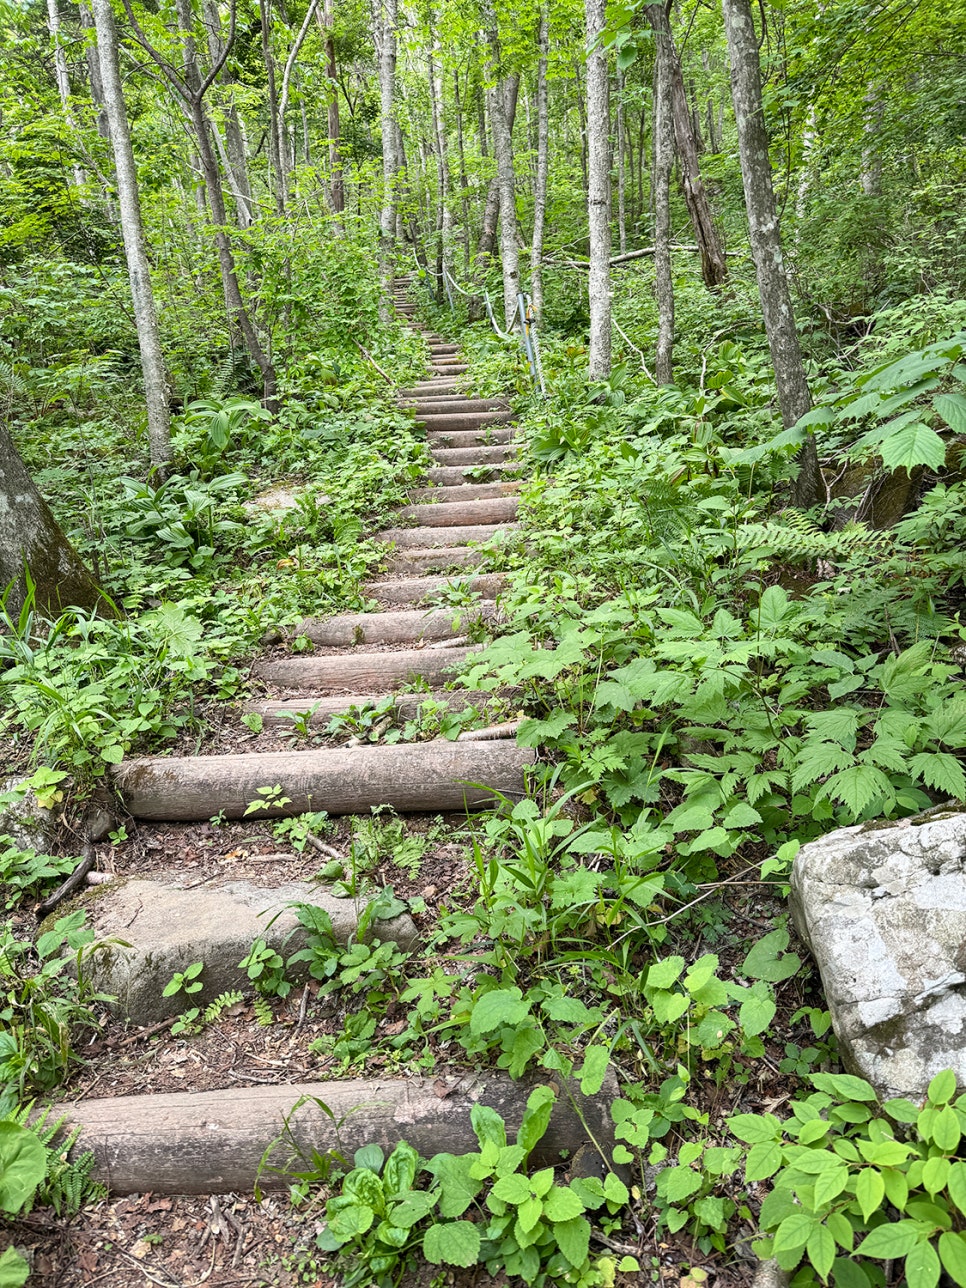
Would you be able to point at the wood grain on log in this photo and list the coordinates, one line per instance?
(447, 513)
(435, 776)
(421, 538)
(361, 672)
(463, 492)
(485, 437)
(400, 627)
(415, 590)
(457, 475)
(212, 1142)
(411, 563)
(478, 456)
(279, 711)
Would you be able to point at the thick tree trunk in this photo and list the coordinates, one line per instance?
(132, 231)
(502, 131)
(776, 305)
(714, 265)
(598, 191)
(31, 539)
(663, 165)
(543, 154)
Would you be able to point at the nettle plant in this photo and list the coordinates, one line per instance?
(855, 1184)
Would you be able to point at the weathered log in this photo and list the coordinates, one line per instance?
(424, 538)
(212, 1142)
(278, 712)
(433, 776)
(485, 437)
(430, 389)
(414, 563)
(415, 590)
(402, 627)
(361, 672)
(463, 492)
(460, 418)
(444, 368)
(448, 513)
(481, 457)
(447, 404)
(456, 475)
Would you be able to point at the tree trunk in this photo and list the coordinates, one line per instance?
(135, 251)
(276, 142)
(598, 191)
(31, 539)
(327, 21)
(714, 265)
(776, 305)
(663, 164)
(235, 149)
(621, 169)
(543, 155)
(464, 182)
(444, 217)
(94, 73)
(387, 87)
(502, 131)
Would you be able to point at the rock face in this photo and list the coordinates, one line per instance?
(28, 825)
(167, 929)
(884, 914)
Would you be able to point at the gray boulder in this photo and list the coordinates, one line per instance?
(166, 929)
(883, 910)
(28, 825)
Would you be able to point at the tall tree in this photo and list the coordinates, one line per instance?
(502, 131)
(543, 163)
(794, 397)
(663, 165)
(598, 190)
(132, 231)
(385, 22)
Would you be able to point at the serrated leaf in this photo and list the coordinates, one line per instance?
(562, 1204)
(913, 445)
(594, 1069)
(573, 1239)
(452, 1243)
(858, 787)
(820, 1250)
(665, 973)
(941, 771)
(890, 1240)
(952, 408)
(498, 1007)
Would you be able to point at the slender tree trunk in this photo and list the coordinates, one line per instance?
(776, 305)
(714, 265)
(276, 141)
(464, 183)
(502, 131)
(387, 86)
(543, 155)
(287, 151)
(62, 77)
(132, 231)
(234, 147)
(582, 118)
(663, 164)
(94, 73)
(445, 214)
(598, 191)
(327, 21)
(871, 176)
(31, 538)
(621, 169)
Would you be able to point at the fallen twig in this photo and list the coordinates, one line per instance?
(72, 882)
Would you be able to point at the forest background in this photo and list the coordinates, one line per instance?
(745, 523)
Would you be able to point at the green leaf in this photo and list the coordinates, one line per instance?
(829, 1185)
(869, 1191)
(952, 1253)
(754, 1129)
(766, 960)
(912, 445)
(14, 1271)
(573, 1239)
(858, 787)
(935, 1174)
(401, 1167)
(562, 1204)
(889, 1240)
(665, 973)
(594, 1069)
(457, 1187)
(23, 1165)
(820, 1250)
(536, 1117)
(956, 1185)
(922, 1266)
(946, 1131)
(952, 408)
(498, 1007)
(843, 1086)
(452, 1243)
(764, 1160)
(756, 1013)
(512, 1189)
(940, 770)
(794, 1232)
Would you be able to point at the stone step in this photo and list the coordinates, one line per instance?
(425, 538)
(362, 672)
(318, 711)
(455, 475)
(414, 563)
(445, 513)
(410, 777)
(416, 590)
(349, 630)
(474, 455)
(462, 492)
(487, 436)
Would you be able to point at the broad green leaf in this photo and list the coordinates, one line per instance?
(562, 1204)
(922, 1266)
(23, 1165)
(664, 973)
(452, 1243)
(956, 1185)
(511, 1189)
(767, 959)
(457, 1187)
(763, 1161)
(912, 445)
(952, 1253)
(754, 1129)
(940, 770)
(14, 1271)
(890, 1240)
(401, 1167)
(794, 1232)
(573, 1239)
(946, 1132)
(820, 1250)
(594, 1069)
(844, 1086)
(952, 408)
(935, 1174)
(536, 1117)
(498, 1007)
(829, 1185)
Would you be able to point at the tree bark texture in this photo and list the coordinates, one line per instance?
(598, 191)
(364, 671)
(388, 18)
(663, 165)
(794, 398)
(434, 776)
(714, 266)
(212, 1142)
(502, 131)
(31, 539)
(543, 159)
(132, 230)
(337, 185)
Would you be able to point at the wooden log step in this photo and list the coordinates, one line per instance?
(449, 368)
(430, 388)
(423, 538)
(406, 627)
(459, 513)
(417, 590)
(362, 672)
(413, 563)
(460, 475)
(485, 436)
(459, 419)
(454, 404)
(410, 777)
(276, 712)
(212, 1142)
(442, 346)
(474, 455)
(463, 492)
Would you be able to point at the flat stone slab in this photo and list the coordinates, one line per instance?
(168, 928)
(883, 910)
